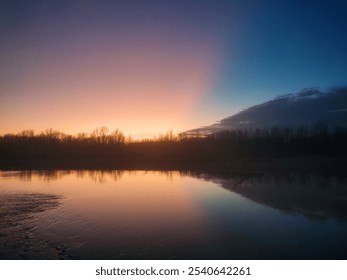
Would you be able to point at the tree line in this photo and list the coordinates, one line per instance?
(315, 140)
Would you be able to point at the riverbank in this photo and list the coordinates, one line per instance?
(321, 165)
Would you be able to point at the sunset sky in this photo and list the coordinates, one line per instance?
(146, 67)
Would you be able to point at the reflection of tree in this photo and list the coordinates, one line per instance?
(43, 175)
(97, 176)
(315, 196)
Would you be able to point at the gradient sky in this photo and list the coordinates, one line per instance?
(146, 67)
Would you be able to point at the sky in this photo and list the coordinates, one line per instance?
(147, 67)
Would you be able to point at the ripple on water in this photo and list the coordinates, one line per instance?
(17, 212)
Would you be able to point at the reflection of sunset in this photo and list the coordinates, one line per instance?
(140, 204)
(117, 214)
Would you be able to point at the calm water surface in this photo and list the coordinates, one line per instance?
(171, 215)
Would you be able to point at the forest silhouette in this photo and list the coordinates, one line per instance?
(220, 147)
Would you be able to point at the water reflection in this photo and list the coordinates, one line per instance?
(316, 197)
(97, 176)
(125, 214)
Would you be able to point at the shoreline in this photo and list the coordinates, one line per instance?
(322, 165)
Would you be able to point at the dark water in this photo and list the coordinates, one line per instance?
(171, 215)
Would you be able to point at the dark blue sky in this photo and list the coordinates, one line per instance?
(149, 66)
(282, 47)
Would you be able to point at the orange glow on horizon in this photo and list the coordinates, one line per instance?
(141, 91)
